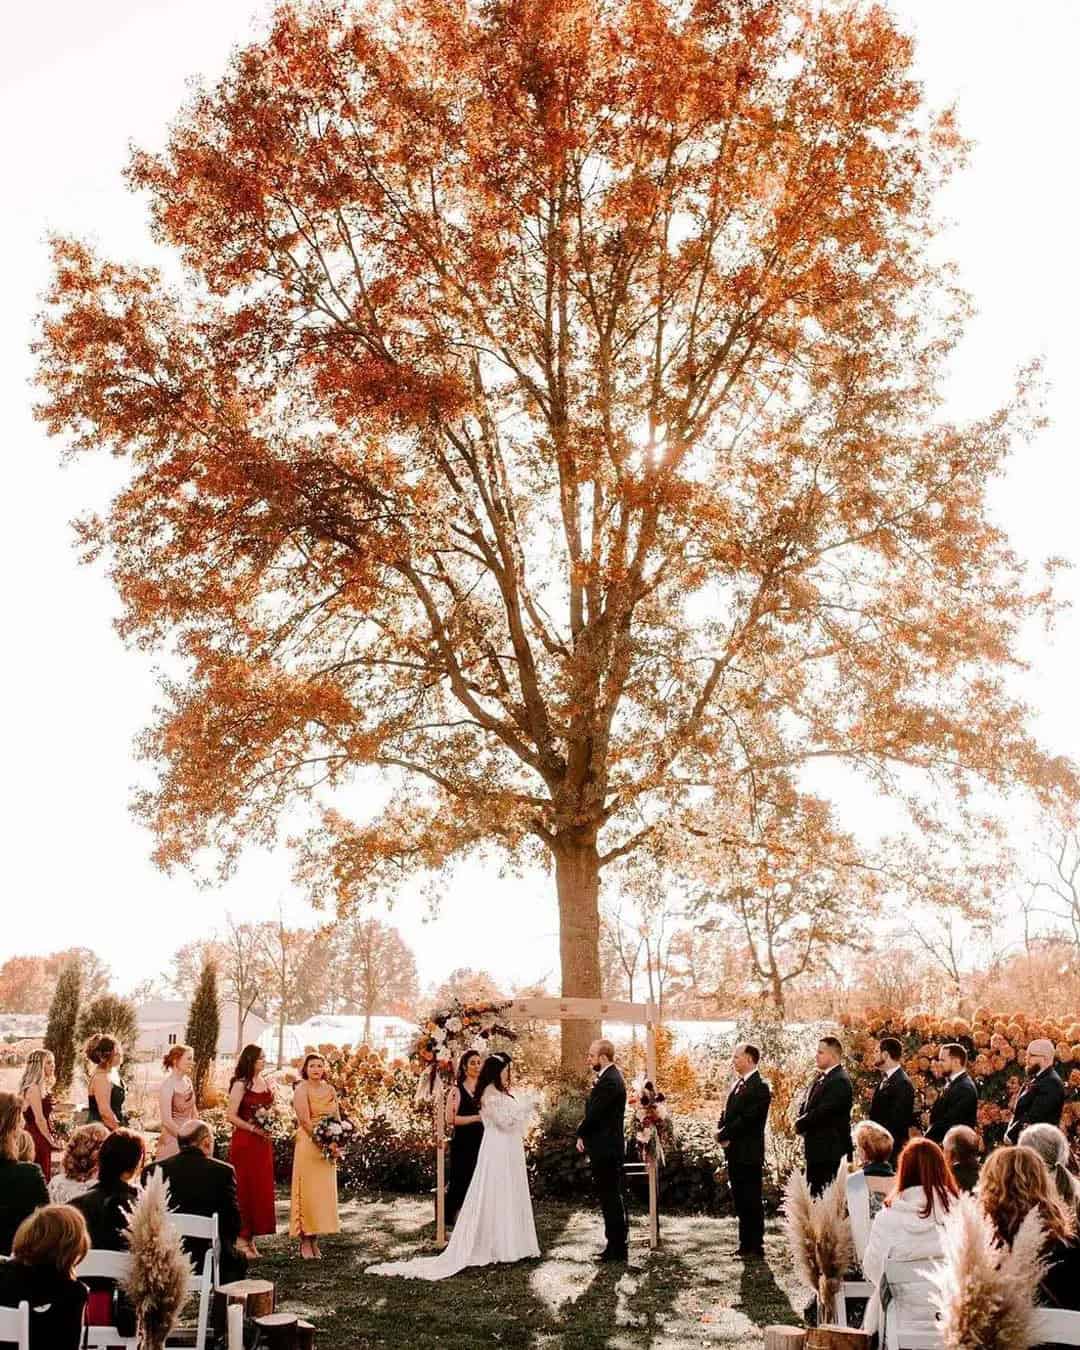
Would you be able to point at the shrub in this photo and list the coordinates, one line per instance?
(111, 1016)
(63, 1020)
(202, 1031)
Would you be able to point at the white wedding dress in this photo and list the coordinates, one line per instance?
(496, 1221)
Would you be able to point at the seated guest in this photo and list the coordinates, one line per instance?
(869, 1184)
(909, 1228)
(79, 1165)
(22, 1184)
(1015, 1181)
(24, 1147)
(47, 1248)
(961, 1146)
(201, 1184)
(1053, 1148)
(105, 1205)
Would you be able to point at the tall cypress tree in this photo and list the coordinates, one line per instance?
(63, 1018)
(203, 1028)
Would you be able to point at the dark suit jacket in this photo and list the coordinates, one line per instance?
(893, 1107)
(603, 1131)
(742, 1126)
(56, 1304)
(1041, 1102)
(825, 1119)
(105, 1210)
(958, 1104)
(206, 1186)
(22, 1190)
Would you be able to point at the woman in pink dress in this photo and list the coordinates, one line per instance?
(252, 1150)
(176, 1098)
(36, 1092)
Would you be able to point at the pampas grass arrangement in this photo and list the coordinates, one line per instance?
(819, 1238)
(160, 1267)
(985, 1293)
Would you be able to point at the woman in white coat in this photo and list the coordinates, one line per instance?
(909, 1228)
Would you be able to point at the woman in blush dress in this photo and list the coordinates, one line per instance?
(176, 1098)
(106, 1105)
(314, 1178)
(35, 1089)
(251, 1151)
(496, 1221)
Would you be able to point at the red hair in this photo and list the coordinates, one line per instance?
(923, 1164)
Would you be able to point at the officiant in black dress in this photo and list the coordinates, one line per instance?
(602, 1135)
(468, 1133)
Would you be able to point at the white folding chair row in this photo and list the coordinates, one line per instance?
(117, 1266)
(15, 1325)
(1059, 1326)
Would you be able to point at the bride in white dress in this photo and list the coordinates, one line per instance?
(496, 1220)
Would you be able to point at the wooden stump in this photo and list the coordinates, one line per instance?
(784, 1338)
(278, 1331)
(305, 1336)
(837, 1338)
(256, 1296)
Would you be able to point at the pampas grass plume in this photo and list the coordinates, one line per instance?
(160, 1267)
(985, 1293)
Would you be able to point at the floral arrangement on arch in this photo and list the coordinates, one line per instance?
(448, 1032)
(650, 1113)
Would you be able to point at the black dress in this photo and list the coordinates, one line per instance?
(56, 1304)
(116, 1106)
(464, 1150)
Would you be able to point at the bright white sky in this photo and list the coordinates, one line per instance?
(78, 82)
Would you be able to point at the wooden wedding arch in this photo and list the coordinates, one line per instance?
(562, 1010)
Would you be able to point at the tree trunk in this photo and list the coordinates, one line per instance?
(577, 877)
(367, 1026)
(241, 1018)
(281, 1037)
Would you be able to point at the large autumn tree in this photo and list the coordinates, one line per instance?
(548, 416)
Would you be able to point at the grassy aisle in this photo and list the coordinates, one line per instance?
(690, 1293)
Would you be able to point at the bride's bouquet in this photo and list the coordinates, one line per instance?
(333, 1136)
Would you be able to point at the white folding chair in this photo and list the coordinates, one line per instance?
(15, 1325)
(102, 1265)
(1059, 1326)
(198, 1226)
(117, 1266)
(851, 1289)
(910, 1284)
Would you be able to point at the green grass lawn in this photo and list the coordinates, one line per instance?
(689, 1293)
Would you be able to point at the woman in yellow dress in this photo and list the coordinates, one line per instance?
(314, 1177)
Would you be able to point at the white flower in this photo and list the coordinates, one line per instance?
(453, 1024)
(439, 1036)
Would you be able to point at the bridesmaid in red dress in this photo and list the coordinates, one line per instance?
(252, 1151)
(36, 1091)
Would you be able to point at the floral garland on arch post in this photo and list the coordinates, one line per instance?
(650, 1113)
(448, 1032)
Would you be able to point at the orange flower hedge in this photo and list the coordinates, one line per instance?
(995, 1046)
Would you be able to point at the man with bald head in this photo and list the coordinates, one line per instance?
(1042, 1098)
(201, 1184)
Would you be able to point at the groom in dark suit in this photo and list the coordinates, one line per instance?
(742, 1136)
(602, 1135)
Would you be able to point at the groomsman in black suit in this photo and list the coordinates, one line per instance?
(1042, 1098)
(824, 1120)
(893, 1104)
(958, 1101)
(742, 1135)
(602, 1135)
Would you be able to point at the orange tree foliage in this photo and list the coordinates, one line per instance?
(550, 418)
(995, 1044)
